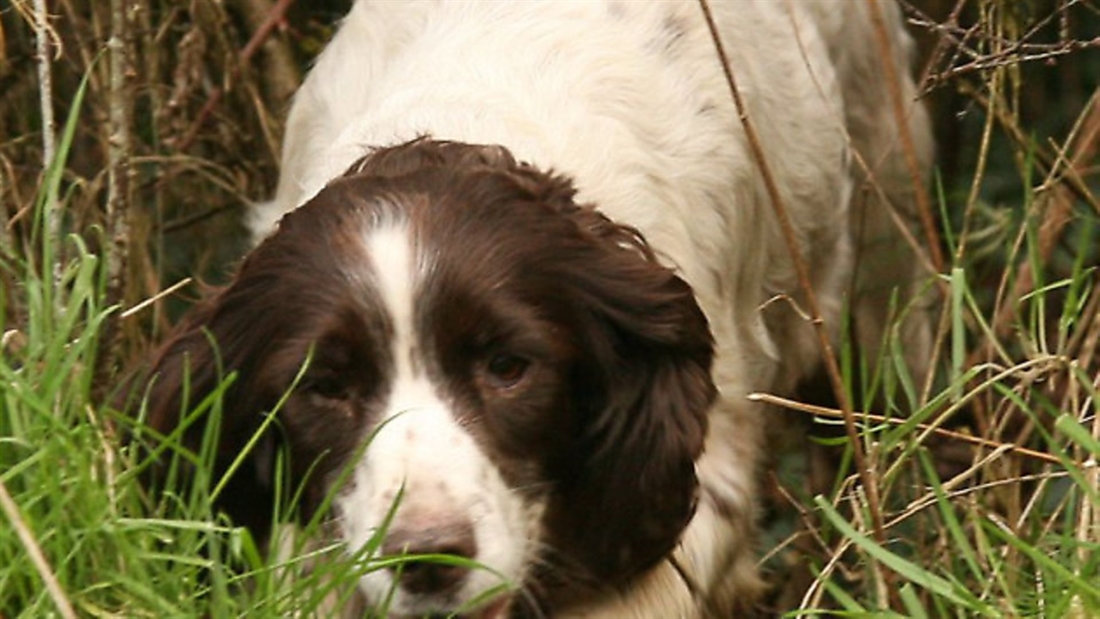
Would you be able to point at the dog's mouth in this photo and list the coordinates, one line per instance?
(497, 608)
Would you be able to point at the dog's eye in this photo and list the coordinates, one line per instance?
(506, 370)
(328, 386)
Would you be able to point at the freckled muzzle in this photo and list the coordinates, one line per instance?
(453, 530)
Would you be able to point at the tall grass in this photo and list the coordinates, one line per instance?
(1014, 531)
(80, 535)
(990, 488)
(86, 536)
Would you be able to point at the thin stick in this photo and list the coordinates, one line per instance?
(818, 323)
(119, 156)
(833, 413)
(45, 82)
(893, 86)
(49, 125)
(34, 551)
(250, 48)
(151, 300)
(1057, 213)
(1088, 525)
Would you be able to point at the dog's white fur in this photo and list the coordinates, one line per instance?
(628, 98)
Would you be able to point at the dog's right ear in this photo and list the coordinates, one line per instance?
(257, 332)
(197, 388)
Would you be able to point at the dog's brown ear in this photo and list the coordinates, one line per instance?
(641, 390)
(644, 393)
(200, 360)
(259, 330)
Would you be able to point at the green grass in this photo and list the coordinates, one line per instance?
(80, 535)
(1015, 531)
(77, 496)
(108, 548)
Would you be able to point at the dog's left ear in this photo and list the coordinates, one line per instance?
(644, 394)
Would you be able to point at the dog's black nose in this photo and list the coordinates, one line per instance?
(423, 576)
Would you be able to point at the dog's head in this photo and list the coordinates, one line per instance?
(532, 383)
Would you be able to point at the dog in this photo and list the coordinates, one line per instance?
(520, 275)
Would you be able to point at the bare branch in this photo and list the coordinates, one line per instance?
(119, 155)
(250, 48)
(901, 119)
(34, 551)
(789, 236)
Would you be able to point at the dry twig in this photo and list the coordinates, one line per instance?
(34, 551)
(119, 194)
(43, 37)
(273, 18)
(908, 149)
(866, 475)
(833, 413)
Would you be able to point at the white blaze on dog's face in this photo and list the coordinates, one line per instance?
(516, 371)
(453, 499)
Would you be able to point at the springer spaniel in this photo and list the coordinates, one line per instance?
(522, 282)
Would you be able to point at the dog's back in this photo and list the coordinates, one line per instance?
(629, 100)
